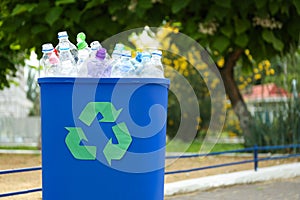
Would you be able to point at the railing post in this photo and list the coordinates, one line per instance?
(255, 157)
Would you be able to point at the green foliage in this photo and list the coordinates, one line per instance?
(265, 27)
(284, 129)
(194, 147)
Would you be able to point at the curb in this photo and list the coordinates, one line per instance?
(14, 151)
(243, 177)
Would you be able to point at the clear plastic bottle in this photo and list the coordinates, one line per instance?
(123, 68)
(151, 66)
(137, 63)
(115, 57)
(83, 50)
(95, 46)
(99, 66)
(49, 60)
(68, 65)
(119, 46)
(157, 64)
(64, 38)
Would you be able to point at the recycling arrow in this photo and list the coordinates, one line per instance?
(111, 151)
(73, 140)
(91, 110)
(117, 151)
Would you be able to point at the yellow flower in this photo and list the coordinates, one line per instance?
(241, 87)
(260, 66)
(206, 74)
(186, 73)
(216, 53)
(267, 64)
(255, 70)
(250, 57)
(257, 76)
(174, 49)
(171, 122)
(247, 52)
(249, 80)
(167, 61)
(272, 71)
(201, 66)
(221, 62)
(241, 78)
(183, 65)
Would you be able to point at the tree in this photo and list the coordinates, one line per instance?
(265, 27)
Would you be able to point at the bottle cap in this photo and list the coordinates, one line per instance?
(146, 55)
(101, 53)
(119, 46)
(81, 45)
(138, 57)
(95, 45)
(48, 47)
(157, 52)
(81, 37)
(62, 34)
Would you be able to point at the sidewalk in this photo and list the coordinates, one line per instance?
(244, 177)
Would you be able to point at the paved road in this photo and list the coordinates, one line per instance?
(288, 189)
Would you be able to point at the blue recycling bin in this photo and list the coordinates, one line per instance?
(103, 138)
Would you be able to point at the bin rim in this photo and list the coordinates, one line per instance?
(85, 80)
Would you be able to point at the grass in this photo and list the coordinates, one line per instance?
(180, 146)
(177, 146)
(19, 147)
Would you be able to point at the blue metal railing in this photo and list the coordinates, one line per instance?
(255, 160)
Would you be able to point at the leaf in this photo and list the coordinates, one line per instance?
(241, 40)
(60, 2)
(39, 29)
(269, 37)
(260, 3)
(145, 4)
(241, 25)
(297, 5)
(273, 7)
(227, 30)
(53, 15)
(178, 5)
(278, 44)
(221, 43)
(74, 14)
(224, 3)
(93, 3)
(20, 8)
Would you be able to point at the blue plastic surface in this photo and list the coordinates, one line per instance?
(139, 174)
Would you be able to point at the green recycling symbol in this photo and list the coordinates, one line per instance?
(111, 151)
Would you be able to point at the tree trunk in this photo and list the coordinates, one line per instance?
(237, 101)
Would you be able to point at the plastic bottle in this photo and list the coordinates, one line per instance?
(99, 66)
(137, 63)
(151, 66)
(157, 64)
(49, 60)
(83, 51)
(115, 57)
(124, 67)
(95, 46)
(119, 46)
(68, 65)
(64, 38)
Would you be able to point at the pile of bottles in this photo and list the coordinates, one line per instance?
(93, 60)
